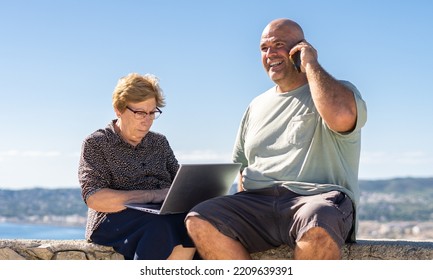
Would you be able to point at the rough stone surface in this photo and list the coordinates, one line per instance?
(367, 250)
(16, 249)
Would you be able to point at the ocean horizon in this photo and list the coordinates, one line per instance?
(40, 231)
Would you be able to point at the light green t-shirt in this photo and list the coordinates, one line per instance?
(283, 140)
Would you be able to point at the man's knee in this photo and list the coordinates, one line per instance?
(319, 238)
(189, 222)
(316, 234)
(317, 243)
(195, 225)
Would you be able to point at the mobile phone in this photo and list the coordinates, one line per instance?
(296, 60)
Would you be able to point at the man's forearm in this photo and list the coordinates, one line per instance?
(334, 101)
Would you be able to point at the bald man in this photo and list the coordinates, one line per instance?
(299, 146)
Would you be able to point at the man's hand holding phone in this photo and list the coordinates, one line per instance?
(307, 51)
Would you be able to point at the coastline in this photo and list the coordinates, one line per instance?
(411, 230)
(51, 220)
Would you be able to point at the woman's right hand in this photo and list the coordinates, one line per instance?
(159, 195)
(109, 200)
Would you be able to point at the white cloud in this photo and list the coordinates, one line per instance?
(411, 158)
(389, 164)
(415, 158)
(202, 156)
(29, 153)
(22, 169)
(74, 155)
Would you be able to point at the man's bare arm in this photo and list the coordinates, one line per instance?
(334, 101)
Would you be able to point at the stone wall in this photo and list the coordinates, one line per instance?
(13, 249)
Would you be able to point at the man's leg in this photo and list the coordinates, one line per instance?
(324, 222)
(181, 253)
(212, 244)
(317, 244)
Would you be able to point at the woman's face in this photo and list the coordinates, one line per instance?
(133, 124)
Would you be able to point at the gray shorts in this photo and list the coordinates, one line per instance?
(267, 218)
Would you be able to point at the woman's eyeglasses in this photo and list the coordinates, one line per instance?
(139, 115)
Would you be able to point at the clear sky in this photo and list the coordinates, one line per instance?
(60, 61)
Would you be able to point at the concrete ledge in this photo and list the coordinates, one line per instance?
(376, 249)
(14, 249)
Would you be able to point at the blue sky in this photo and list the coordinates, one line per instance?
(60, 61)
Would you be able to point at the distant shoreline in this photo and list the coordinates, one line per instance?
(76, 221)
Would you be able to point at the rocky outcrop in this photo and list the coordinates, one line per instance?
(55, 250)
(81, 250)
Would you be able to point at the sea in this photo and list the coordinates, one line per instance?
(40, 231)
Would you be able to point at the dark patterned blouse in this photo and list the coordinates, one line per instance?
(107, 161)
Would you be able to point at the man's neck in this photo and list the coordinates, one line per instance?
(286, 87)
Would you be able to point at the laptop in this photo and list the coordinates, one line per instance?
(193, 184)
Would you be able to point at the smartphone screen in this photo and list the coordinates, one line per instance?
(296, 60)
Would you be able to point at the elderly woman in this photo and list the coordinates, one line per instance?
(124, 163)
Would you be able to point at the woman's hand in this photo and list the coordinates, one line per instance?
(159, 195)
(109, 200)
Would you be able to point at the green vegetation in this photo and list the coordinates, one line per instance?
(41, 202)
(402, 199)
